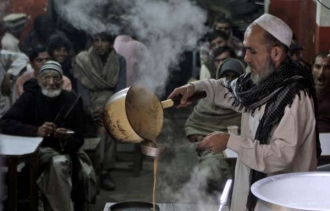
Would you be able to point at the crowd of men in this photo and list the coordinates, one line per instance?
(48, 88)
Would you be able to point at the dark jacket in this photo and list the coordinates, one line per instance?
(33, 109)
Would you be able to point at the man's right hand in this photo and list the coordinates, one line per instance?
(47, 129)
(185, 91)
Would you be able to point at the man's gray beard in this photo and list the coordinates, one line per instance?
(269, 69)
(50, 93)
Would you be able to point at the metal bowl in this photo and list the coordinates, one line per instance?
(152, 151)
(294, 191)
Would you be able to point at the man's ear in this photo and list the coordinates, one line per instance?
(277, 53)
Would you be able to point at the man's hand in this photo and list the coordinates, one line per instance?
(61, 133)
(195, 138)
(47, 129)
(6, 85)
(185, 91)
(216, 142)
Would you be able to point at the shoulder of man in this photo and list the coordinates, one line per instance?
(31, 85)
(82, 54)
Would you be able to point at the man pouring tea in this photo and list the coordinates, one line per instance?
(277, 101)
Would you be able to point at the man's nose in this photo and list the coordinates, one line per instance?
(247, 57)
(321, 71)
(51, 81)
(98, 43)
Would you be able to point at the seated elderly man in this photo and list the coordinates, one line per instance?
(321, 75)
(38, 55)
(45, 110)
(208, 117)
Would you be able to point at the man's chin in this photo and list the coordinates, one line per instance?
(255, 79)
(51, 93)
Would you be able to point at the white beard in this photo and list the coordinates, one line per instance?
(269, 69)
(50, 93)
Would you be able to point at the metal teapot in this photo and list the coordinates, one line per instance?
(135, 114)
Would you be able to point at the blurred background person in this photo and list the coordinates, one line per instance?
(43, 28)
(135, 53)
(208, 117)
(321, 75)
(215, 40)
(296, 54)
(59, 48)
(14, 24)
(100, 72)
(12, 64)
(223, 23)
(208, 70)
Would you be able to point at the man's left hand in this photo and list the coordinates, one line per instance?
(61, 133)
(216, 142)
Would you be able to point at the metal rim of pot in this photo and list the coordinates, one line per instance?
(257, 190)
(132, 205)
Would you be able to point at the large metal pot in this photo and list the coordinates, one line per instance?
(295, 191)
(133, 114)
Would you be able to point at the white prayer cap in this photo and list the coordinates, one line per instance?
(275, 27)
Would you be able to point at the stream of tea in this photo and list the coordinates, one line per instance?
(155, 180)
(154, 186)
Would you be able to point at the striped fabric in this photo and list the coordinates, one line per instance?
(52, 65)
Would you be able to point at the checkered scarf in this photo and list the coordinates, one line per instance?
(277, 91)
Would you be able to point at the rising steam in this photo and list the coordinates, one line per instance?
(167, 28)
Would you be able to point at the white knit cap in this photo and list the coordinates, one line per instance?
(275, 27)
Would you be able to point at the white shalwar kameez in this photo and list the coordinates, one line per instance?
(292, 144)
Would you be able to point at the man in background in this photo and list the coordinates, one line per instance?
(100, 72)
(15, 23)
(220, 54)
(321, 75)
(216, 40)
(296, 54)
(11, 66)
(208, 117)
(136, 55)
(223, 23)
